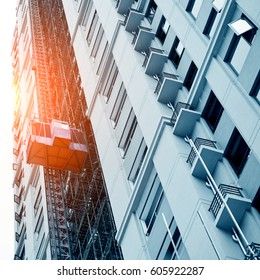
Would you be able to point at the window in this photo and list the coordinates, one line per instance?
(237, 152)
(97, 41)
(244, 33)
(256, 88)
(151, 11)
(190, 76)
(256, 201)
(152, 205)
(102, 59)
(36, 177)
(40, 247)
(172, 247)
(194, 7)
(87, 12)
(176, 52)
(162, 29)
(212, 111)
(111, 79)
(138, 161)
(128, 132)
(171, 252)
(39, 222)
(38, 201)
(211, 23)
(119, 103)
(92, 28)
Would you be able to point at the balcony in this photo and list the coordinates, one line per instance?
(154, 61)
(167, 87)
(183, 119)
(17, 199)
(56, 145)
(142, 38)
(18, 217)
(122, 6)
(255, 247)
(132, 20)
(209, 154)
(17, 237)
(236, 202)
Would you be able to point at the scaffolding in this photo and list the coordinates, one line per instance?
(81, 224)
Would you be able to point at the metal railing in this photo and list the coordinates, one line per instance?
(140, 28)
(177, 109)
(224, 190)
(255, 247)
(199, 142)
(162, 77)
(149, 52)
(250, 250)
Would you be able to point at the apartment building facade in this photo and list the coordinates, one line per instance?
(61, 205)
(172, 89)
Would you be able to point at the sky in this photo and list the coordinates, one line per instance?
(7, 23)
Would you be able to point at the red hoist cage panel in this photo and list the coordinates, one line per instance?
(56, 145)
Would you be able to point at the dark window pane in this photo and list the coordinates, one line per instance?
(151, 11)
(176, 236)
(191, 74)
(176, 52)
(210, 22)
(256, 201)
(255, 91)
(162, 30)
(237, 152)
(212, 111)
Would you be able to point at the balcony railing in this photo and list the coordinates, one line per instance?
(199, 142)
(177, 109)
(255, 247)
(224, 190)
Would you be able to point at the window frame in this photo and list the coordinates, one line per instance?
(191, 7)
(128, 132)
(118, 105)
(151, 10)
(162, 31)
(110, 80)
(174, 55)
(212, 107)
(211, 22)
(152, 205)
(190, 76)
(242, 37)
(92, 28)
(255, 90)
(234, 149)
(256, 200)
(97, 42)
(138, 161)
